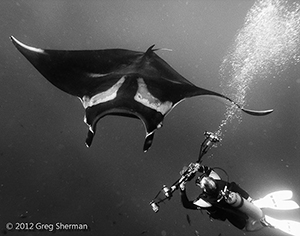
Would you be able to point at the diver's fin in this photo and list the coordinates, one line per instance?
(278, 200)
(281, 195)
(280, 205)
(287, 226)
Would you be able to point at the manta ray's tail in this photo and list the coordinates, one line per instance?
(257, 113)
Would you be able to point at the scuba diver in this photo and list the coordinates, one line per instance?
(224, 200)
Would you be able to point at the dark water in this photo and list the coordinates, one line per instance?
(47, 174)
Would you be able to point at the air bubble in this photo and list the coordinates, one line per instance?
(267, 43)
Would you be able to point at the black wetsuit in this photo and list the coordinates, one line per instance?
(220, 210)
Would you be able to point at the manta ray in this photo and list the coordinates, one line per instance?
(118, 82)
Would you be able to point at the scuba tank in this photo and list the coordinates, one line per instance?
(235, 200)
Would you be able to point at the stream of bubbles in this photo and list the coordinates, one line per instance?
(267, 43)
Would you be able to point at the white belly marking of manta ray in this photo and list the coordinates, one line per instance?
(144, 97)
(96, 75)
(102, 97)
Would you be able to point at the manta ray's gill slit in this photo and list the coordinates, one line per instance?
(268, 42)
